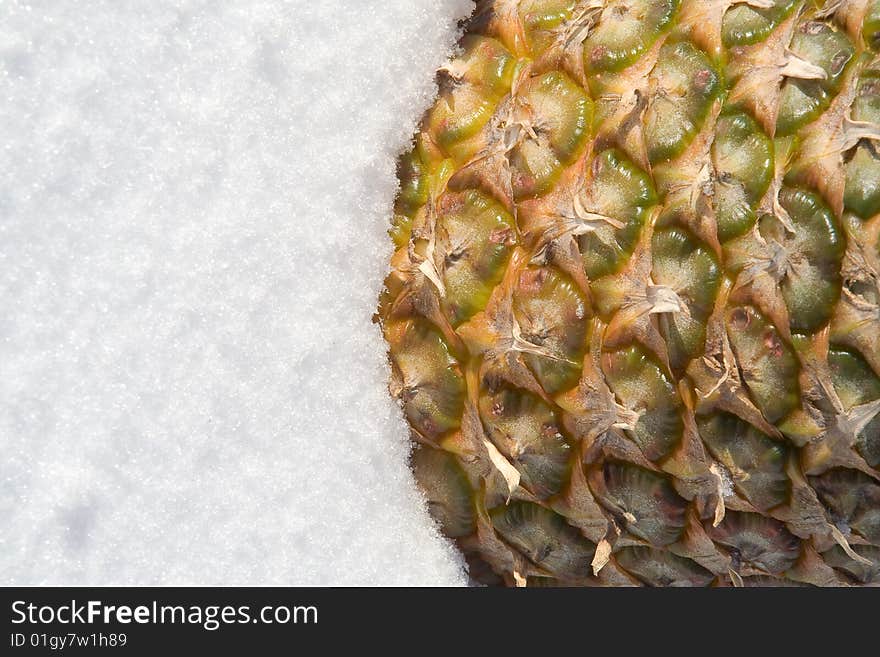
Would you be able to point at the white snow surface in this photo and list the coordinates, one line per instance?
(193, 204)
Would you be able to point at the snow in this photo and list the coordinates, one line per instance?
(193, 203)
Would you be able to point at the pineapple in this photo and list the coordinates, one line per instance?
(634, 310)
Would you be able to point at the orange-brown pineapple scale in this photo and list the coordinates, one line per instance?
(634, 311)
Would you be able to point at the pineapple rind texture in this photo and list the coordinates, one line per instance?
(634, 311)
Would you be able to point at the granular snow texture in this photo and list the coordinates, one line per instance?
(193, 204)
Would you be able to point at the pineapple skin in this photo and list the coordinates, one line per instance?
(634, 308)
